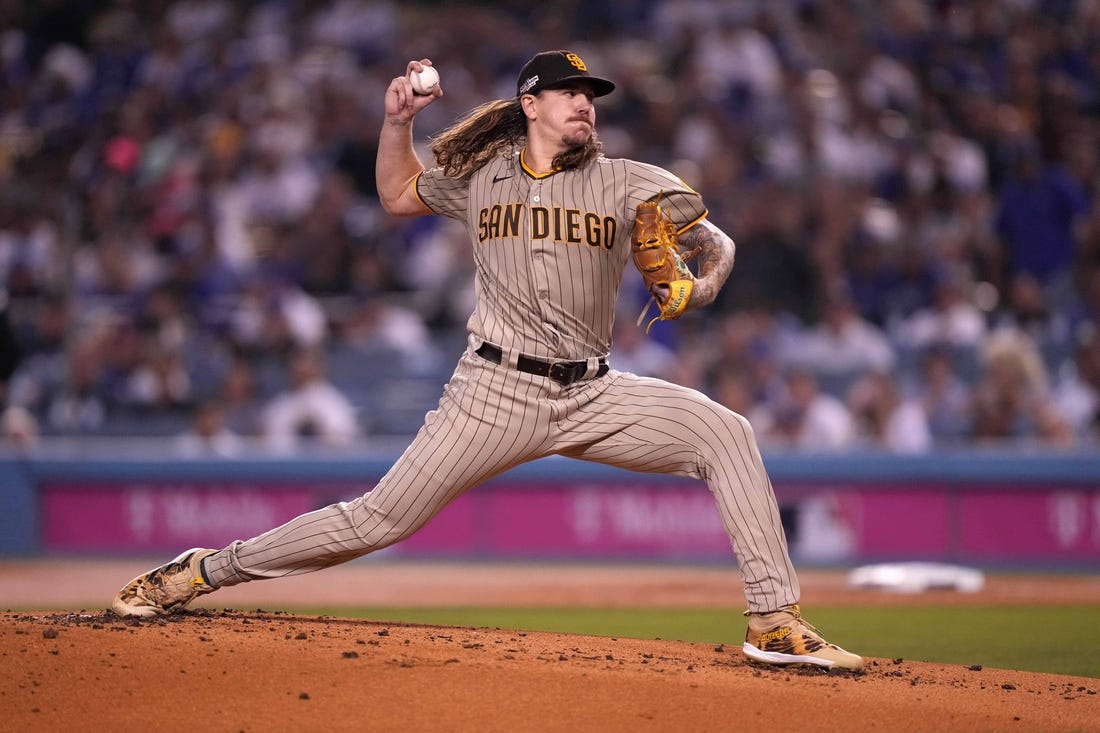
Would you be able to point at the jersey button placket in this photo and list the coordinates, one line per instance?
(537, 250)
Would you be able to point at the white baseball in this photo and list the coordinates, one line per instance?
(424, 81)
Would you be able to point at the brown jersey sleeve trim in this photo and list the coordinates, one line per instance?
(693, 222)
(416, 190)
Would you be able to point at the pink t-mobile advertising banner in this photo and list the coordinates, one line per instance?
(160, 516)
(603, 519)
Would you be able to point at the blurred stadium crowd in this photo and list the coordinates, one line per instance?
(191, 245)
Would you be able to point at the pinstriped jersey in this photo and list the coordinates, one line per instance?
(549, 249)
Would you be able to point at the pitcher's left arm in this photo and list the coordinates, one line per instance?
(713, 262)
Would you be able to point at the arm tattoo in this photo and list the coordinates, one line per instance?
(712, 264)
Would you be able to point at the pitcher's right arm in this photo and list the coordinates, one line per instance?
(397, 164)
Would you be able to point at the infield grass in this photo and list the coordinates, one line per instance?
(1058, 640)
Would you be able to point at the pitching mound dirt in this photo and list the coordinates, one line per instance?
(219, 670)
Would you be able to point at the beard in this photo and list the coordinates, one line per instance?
(578, 152)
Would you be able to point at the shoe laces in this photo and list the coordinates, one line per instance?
(796, 614)
(158, 586)
(799, 618)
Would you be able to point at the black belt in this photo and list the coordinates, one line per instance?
(562, 372)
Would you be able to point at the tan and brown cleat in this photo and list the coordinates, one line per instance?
(784, 637)
(165, 589)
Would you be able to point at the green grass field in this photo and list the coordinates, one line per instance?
(1058, 640)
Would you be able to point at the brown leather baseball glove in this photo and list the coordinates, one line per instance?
(657, 256)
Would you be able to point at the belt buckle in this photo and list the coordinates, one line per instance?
(562, 373)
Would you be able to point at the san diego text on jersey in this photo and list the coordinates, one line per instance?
(569, 226)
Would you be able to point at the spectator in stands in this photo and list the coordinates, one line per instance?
(913, 285)
(805, 418)
(844, 343)
(439, 270)
(310, 410)
(66, 392)
(18, 427)
(774, 269)
(208, 436)
(275, 315)
(376, 325)
(1077, 389)
(952, 318)
(1040, 208)
(1027, 309)
(886, 419)
(943, 395)
(43, 331)
(31, 263)
(750, 342)
(735, 390)
(240, 397)
(1012, 399)
(158, 381)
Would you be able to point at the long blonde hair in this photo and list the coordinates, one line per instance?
(497, 128)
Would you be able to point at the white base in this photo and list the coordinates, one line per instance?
(917, 577)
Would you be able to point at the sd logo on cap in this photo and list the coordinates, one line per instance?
(551, 69)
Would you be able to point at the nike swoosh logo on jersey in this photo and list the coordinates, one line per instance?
(498, 179)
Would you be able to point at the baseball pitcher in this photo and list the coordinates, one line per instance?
(552, 224)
